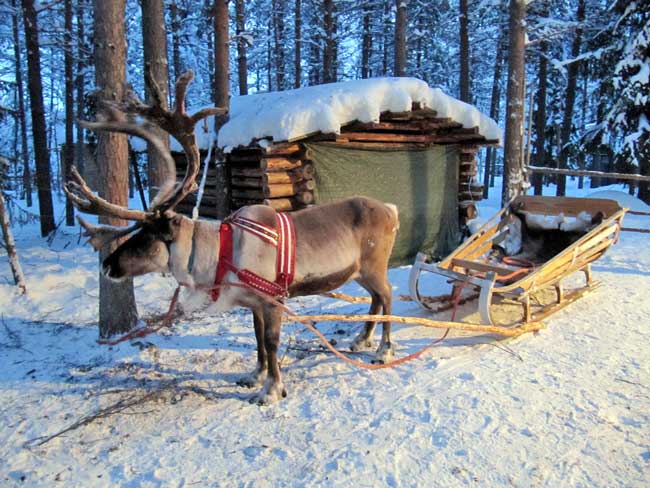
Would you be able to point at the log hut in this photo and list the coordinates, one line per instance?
(402, 142)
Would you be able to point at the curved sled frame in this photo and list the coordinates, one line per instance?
(467, 266)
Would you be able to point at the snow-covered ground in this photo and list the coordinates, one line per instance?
(568, 406)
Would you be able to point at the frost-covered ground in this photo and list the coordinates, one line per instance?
(569, 406)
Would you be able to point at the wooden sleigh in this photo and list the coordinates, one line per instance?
(472, 266)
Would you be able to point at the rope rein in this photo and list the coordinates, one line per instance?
(305, 321)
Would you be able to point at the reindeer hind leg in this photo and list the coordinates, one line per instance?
(258, 375)
(386, 350)
(364, 338)
(273, 389)
(381, 294)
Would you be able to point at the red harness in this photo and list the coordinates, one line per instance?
(284, 238)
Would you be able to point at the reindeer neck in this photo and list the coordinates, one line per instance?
(197, 252)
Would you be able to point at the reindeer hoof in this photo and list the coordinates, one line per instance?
(271, 393)
(385, 353)
(250, 380)
(361, 343)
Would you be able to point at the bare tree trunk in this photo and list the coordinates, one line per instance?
(366, 42)
(27, 175)
(35, 85)
(79, 85)
(117, 308)
(583, 122)
(386, 42)
(278, 44)
(329, 68)
(176, 43)
(570, 98)
(269, 54)
(10, 245)
(154, 42)
(242, 69)
(69, 105)
(513, 177)
(490, 157)
(418, 48)
(297, 68)
(464, 52)
(400, 38)
(540, 117)
(315, 51)
(222, 95)
(209, 20)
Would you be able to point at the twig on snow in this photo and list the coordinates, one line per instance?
(117, 407)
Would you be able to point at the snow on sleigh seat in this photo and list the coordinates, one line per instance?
(557, 237)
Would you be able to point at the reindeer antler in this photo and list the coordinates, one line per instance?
(176, 122)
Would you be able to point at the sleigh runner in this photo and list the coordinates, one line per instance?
(519, 278)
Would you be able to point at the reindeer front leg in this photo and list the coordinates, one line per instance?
(273, 389)
(258, 375)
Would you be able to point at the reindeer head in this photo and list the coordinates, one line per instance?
(148, 249)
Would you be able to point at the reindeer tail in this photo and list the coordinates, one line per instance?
(393, 208)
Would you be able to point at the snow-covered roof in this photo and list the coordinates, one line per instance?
(295, 114)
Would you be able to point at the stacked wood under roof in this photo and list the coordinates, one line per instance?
(282, 174)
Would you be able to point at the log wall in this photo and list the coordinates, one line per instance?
(281, 176)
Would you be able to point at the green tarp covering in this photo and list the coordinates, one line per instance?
(422, 183)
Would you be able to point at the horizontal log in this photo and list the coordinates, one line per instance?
(279, 164)
(383, 137)
(470, 186)
(204, 211)
(243, 202)
(280, 177)
(467, 157)
(466, 195)
(596, 174)
(248, 194)
(281, 204)
(246, 172)
(246, 182)
(248, 156)
(288, 189)
(281, 190)
(282, 148)
(305, 172)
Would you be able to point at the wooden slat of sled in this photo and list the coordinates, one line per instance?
(478, 266)
(477, 244)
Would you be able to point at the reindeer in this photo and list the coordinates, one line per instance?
(351, 239)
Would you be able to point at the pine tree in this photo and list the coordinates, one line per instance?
(117, 309)
(35, 86)
(630, 114)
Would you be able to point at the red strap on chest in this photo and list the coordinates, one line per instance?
(285, 261)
